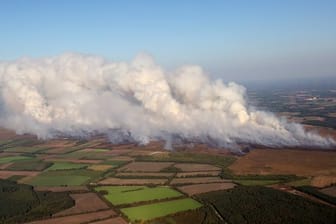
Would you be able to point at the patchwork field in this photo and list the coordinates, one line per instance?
(128, 183)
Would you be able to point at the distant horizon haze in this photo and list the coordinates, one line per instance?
(242, 41)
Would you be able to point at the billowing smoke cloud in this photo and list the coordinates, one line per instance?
(78, 95)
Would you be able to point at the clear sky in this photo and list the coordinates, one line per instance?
(233, 39)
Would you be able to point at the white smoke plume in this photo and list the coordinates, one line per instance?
(79, 95)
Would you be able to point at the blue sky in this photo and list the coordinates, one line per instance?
(235, 40)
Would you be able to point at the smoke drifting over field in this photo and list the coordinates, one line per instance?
(80, 95)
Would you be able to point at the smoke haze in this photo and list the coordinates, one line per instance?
(80, 95)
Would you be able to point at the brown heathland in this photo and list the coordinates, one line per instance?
(285, 161)
(323, 181)
(200, 173)
(87, 202)
(204, 188)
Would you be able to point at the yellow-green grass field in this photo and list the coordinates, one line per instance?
(9, 159)
(119, 195)
(70, 180)
(156, 210)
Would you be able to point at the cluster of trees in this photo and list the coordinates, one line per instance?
(21, 203)
(247, 205)
(316, 193)
(204, 215)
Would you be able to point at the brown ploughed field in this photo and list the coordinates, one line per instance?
(147, 174)
(117, 220)
(190, 167)
(200, 173)
(4, 174)
(78, 219)
(323, 181)
(87, 202)
(197, 180)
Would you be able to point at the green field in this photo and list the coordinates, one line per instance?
(119, 195)
(222, 161)
(152, 211)
(59, 180)
(64, 177)
(9, 159)
(66, 166)
(114, 163)
(25, 149)
(79, 154)
(29, 165)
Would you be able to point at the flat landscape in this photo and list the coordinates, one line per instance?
(104, 183)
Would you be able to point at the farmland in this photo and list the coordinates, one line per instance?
(128, 183)
(66, 166)
(146, 212)
(131, 194)
(297, 162)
